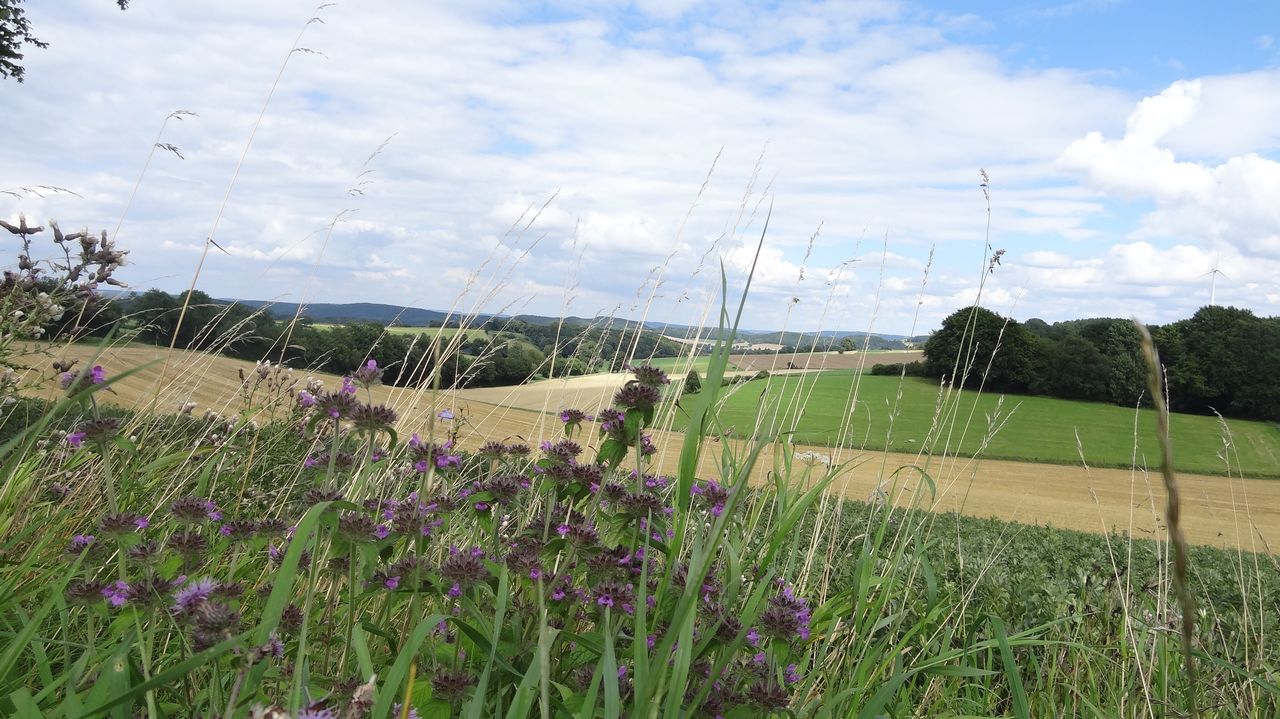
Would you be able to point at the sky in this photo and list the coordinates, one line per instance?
(593, 158)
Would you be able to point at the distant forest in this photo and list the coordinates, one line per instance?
(511, 351)
(1221, 359)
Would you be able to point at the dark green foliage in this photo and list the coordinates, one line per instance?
(976, 346)
(898, 369)
(15, 31)
(692, 382)
(1222, 359)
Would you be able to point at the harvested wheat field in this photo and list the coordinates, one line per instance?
(822, 360)
(1218, 511)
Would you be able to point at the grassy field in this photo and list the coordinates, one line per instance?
(1039, 429)
(445, 331)
(682, 364)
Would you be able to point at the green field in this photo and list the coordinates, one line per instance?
(445, 331)
(1040, 429)
(681, 364)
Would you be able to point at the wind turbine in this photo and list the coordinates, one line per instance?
(1213, 282)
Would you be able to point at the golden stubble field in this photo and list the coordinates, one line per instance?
(1219, 511)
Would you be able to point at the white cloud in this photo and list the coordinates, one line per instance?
(864, 118)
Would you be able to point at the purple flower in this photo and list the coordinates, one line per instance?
(79, 543)
(792, 675)
(535, 574)
(482, 507)
(759, 658)
(142, 522)
(445, 414)
(382, 532)
(348, 386)
(75, 439)
(392, 582)
(455, 590)
(306, 399)
(116, 594)
(753, 637)
(190, 597)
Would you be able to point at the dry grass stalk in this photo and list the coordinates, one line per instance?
(1173, 514)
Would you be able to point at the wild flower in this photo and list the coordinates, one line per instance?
(650, 375)
(99, 430)
(445, 415)
(369, 375)
(464, 569)
(144, 552)
(372, 418)
(636, 395)
(189, 598)
(194, 509)
(122, 523)
(357, 527)
(238, 529)
(116, 593)
(451, 685)
(190, 543)
(73, 382)
(80, 543)
(83, 593)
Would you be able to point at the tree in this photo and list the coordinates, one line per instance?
(692, 382)
(15, 32)
(977, 345)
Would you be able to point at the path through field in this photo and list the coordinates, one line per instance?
(1220, 511)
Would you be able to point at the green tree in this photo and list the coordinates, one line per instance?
(976, 344)
(692, 382)
(15, 32)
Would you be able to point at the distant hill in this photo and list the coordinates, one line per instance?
(385, 314)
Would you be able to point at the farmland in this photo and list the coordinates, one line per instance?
(1218, 511)
(836, 407)
(445, 332)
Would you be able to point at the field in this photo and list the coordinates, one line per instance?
(472, 334)
(865, 412)
(681, 365)
(1219, 511)
(824, 360)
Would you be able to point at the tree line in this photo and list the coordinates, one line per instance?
(510, 351)
(1221, 359)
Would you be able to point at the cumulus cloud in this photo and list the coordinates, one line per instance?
(662, 131)
(1205, 213)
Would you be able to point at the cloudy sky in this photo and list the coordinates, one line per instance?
(587, 158)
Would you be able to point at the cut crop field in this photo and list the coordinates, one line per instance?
(821, 409)
(824, 360)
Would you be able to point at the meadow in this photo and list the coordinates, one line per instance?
(840, 408)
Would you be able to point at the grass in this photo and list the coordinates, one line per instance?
(1036, 429)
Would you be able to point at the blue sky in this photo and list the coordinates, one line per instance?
(605, 157)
